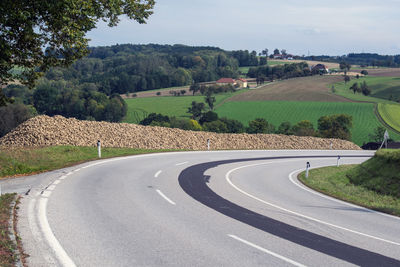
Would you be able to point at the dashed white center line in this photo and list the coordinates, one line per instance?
(182, 163)
(157, 174)
(267, 251)
(165, 197)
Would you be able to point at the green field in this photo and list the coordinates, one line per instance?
(383, 88)
(276, 112)
(139, 108)
(390, 113)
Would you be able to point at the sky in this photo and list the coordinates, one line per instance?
(302, 27)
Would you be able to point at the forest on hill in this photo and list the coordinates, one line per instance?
(131, 68)
(362, 59)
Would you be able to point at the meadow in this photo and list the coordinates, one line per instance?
(276, 112)
(139, 108)
(383, 89)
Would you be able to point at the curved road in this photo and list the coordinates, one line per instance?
(227, 208)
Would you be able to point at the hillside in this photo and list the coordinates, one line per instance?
(380, 173)
(51, 131)
(313, 88)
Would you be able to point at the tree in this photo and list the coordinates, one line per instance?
(355, 87)
(303, 128)
(335, 126)
(210, 100)
(265, 52)
(365, 89)
(263, 61)
(345, 67)
(196, 109)
(13, 115)
(377, 135)
(346, 79)
(194, 88)
(35, 35)
(276, 51)
(260, 125)
(364, 72)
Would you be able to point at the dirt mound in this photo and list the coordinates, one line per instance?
(57, 130)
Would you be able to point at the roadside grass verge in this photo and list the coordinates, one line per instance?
(374, 184)
(8, 256)
(21, 161)
(390, 113)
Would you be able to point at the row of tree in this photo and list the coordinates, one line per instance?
(285, 71)
(333, 126)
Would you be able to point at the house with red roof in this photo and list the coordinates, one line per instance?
(226, 81)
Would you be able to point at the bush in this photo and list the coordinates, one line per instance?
(209, 116)
(233, 126)
(260, 125)
(303, 128)
(215, 126)
(195, 126)
(153, 117)
(285, 128)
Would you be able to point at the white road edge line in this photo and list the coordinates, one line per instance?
(157, 173)
(60, 253)
(296, 213)
(291, 178)
(267, 251)
(165, 197)
(182, 163)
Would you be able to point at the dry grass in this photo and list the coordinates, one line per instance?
(384, 72)
(314, 88)
(309, 62)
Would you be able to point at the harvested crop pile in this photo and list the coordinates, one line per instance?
(57, 130)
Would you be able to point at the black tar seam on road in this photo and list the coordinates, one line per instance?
(193, 182)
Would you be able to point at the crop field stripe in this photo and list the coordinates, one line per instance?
(390, 113)
(276, 112)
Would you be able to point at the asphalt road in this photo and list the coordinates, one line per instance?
(232, 208)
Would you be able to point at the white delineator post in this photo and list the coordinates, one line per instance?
(208, 144)
(338, 161)
(99, 148)
(308, 165)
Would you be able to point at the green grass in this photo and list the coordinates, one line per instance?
(276, 112)
(374, 184)
(390, 113)
(382, 88)
(139, 108)
(8, 256)
(33, 160)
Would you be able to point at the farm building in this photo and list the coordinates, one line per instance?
(319, 68)
(241, 82)
(226, 81)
